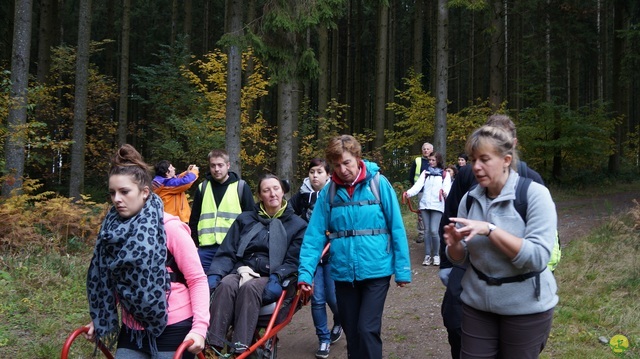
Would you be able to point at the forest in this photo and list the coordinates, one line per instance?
(271, 80)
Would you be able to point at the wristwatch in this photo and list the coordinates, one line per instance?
(492, 227)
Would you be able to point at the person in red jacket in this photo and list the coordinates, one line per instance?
(172, 188)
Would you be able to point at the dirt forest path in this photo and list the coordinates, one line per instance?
(412, 326)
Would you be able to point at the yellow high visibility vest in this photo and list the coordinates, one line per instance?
(418, 165)
(214, 222)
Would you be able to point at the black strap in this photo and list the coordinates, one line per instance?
(175, 275)
(520, 203)
(353, 233)
(257, 227)
(513, 279)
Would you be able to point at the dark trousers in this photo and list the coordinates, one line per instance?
(237, 306)
(452, 310)
(490, 335)
(360, 305)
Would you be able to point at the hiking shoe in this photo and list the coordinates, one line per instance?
(436, 260)
(427, 260)
(323, 351)
(336, 333)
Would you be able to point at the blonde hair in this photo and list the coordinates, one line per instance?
(497, 138)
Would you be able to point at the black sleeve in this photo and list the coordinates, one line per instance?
(246, 202)
(412, 172)
(296, 203)
(463, 182)
(196, 208)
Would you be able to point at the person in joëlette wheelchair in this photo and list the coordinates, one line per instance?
(258, 256)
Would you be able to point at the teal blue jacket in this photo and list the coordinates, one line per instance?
(360, 257)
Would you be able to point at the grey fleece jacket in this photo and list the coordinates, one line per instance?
(538, 235)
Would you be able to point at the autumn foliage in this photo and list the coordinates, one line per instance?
(34, 222)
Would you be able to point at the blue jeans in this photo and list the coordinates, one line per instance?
(431, 219)
(324, 292)
(206, 254)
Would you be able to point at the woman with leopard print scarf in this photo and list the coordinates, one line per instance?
(130, 270)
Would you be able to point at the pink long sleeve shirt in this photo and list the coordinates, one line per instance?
(185, 302)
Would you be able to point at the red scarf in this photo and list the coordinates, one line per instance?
(352, 186)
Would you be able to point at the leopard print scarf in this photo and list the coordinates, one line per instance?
(128, 268)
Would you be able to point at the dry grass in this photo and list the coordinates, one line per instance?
(42, 222)
(599, 287)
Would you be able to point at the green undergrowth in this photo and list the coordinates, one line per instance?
(599, 289)
(42, 300)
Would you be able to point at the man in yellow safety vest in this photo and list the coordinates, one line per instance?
(219, 199)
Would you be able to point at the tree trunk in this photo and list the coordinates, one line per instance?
(46, 33)
(496, 76)
(14, 151)
(442, 78)
(174, 23)
(296, 95)
(110, 49)
(188, 24)
(391, 63)
(418, 36)
(124, 73)
(619, 87)
(76, 182)
(323, 78)
(335, 65)
(250, 21)
(234, 85)
(284, 165)
(382, 49)
(205, 28)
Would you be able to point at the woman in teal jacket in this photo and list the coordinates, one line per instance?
(360, 215)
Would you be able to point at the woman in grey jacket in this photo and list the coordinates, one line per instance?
(508, 292)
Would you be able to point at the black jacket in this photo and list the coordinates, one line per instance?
(256, 254)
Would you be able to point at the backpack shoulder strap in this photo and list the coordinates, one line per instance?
(244, 241)
(241, 183)
(521, 202)
(176, 275)
(375, 186)
(523, 169)
(203, 185)
(469, 198)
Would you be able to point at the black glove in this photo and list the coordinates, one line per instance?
(213, 280)
(272, 291)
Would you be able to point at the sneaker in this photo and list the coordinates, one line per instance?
(427, 260)
(336, 333)
(323, 351)
(436, 260)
